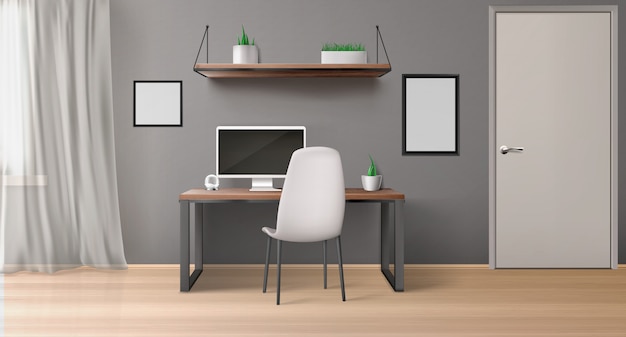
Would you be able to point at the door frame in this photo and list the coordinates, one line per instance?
(493, 10)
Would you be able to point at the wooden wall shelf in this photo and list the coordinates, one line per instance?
(288, 70)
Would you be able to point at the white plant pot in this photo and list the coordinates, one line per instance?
(245, 54)
(344, 57)
(371, 183)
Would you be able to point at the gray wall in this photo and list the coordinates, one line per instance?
(446, 196)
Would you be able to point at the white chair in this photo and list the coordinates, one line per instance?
(311, 206)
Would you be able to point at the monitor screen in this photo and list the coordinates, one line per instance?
(257, 151)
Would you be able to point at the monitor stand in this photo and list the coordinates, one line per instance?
(263, 185)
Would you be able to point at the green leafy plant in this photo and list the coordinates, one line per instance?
(343, 47)
(372, 170)
(243, 39)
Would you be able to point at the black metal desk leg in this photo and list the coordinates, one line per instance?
(392, 235)
(399, 244)
(184, 245)
(386, 236)
(198, 233)
(186, 281)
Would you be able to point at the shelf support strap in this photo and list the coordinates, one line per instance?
(205, 36)
(379, 37)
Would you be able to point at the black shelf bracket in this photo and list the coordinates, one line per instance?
(379, 37)
(204, 37)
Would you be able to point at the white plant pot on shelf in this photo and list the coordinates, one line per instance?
(344, 57)
(245, 54)
(371, 183)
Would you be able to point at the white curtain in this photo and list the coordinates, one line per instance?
(59, 205)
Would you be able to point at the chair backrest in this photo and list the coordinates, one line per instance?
(313, 199)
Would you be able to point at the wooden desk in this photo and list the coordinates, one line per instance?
(391, 236)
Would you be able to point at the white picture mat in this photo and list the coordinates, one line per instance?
(158, 103)
(430, 115)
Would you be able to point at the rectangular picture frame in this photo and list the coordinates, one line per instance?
(158, 103)
(430, 114)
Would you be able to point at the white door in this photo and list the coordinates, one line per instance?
(553, 139)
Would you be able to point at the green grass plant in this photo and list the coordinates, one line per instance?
(372, 170)
(343, 47)
(243, 40)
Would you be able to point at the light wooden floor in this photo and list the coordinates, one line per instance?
(227, 301)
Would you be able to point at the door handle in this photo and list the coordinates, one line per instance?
(505, 149)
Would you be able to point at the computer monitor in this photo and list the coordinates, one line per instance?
(258, 152)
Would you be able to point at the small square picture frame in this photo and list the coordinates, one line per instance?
(158, 103)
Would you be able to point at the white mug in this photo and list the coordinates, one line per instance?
(212, 182)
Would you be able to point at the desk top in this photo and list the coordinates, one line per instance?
(352, 194)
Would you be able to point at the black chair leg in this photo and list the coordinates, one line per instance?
(278, 251)
(325, 264)
(267, 262)
(343, 290)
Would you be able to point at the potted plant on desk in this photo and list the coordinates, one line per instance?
(371, 181)
(245, 51)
